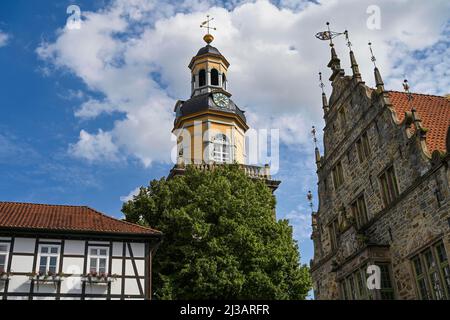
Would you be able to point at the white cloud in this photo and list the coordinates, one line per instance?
(96, 147)
(130, 195)
(3, 39)
(300, 220)
(135, 53)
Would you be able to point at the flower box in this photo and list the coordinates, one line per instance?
(45, 278)
(98, 279)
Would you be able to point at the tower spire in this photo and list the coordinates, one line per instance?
(335, 62)
(208, 38)
(378, 80)
(354, 64)
(324, 96)
(316, 150)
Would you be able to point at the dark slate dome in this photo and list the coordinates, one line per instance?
(205, 102)
(208, 49)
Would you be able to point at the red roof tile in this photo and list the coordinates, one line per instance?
(434, 112)
(64, 218)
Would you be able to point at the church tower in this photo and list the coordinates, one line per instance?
(209, 127)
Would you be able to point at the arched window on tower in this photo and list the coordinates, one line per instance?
(202, 78)
(224, 81)
(222, 149)
(214, 77)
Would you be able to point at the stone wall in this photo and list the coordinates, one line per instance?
(413, 221)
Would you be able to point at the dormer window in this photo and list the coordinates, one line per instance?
(202, 78)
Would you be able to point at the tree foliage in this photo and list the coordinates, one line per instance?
(221, 238)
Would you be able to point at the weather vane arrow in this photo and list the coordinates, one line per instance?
(328, 35)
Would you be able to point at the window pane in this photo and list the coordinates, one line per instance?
(418, 266)
(385, 277)
(53, 261)
(3, 248)
(43, 265)
(424, 295)
(54, 250)
(442, 255)
(446, 274)
(102, 267)
(361, 285)
(103, 252)
(94, 252)
(436, 285)
(429, 259)
(44, 250)
(2, 262)
(352, 288)
(93, 265)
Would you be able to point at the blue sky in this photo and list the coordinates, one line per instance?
(86, 117)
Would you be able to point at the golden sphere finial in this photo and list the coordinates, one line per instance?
(208, 38)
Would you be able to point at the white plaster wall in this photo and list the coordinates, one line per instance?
(73, 265)
(117, 249)
(131, 286)
(19, 284)
(116, 286)
(24, 245)
(71, 285)
(74, 247)
(116, 266)
(22, 263)
(129, 271)
(138, 250)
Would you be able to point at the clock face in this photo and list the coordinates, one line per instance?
(221, 100)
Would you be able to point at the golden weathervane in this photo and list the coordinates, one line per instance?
(206, 24)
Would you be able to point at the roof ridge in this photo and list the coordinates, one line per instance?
(122, 221)
(418, 94)
(45, 204)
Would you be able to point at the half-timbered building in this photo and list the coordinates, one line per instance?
(57, 252)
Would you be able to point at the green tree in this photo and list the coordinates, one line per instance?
(221, 238)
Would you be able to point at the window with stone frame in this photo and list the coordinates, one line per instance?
(389, 186)
(432, 273)
(359, 211)
(363, 147)
(338, 175)
(354, 286)
(386, 291)
(333, 231)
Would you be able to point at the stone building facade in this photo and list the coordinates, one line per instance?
(384, 192)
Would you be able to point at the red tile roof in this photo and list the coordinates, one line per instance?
(434, 112)
(64, 218)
